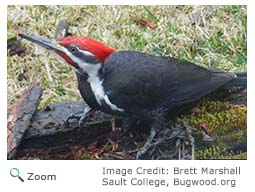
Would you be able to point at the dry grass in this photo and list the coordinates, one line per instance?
(213, 36)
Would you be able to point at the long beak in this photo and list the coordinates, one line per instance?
(50, 44)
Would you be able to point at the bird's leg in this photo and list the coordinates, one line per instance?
(147, 145)
(157, 124)
(79, 116)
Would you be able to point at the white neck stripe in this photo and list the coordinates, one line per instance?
(95, 83)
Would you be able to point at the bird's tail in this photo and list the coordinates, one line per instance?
(240, 82)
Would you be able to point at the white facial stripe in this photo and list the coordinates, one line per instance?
(86, 67)
(73, 57)
(86, 52)
(95, 83)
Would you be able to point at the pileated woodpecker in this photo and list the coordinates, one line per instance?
(133, 84)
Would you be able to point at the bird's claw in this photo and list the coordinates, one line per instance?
(82, 120)
(79, 116)
(73, 116)
(147, 146)
(143, 150)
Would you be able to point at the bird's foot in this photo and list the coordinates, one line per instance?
(157, 117)
(179, 139)
(148, 146)
(79, 116)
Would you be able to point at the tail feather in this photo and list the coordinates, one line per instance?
(240, 82)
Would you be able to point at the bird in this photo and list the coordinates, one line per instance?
(130, 83)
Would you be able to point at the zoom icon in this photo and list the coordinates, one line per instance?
(14, 172)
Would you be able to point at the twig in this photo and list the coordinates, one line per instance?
(115, 156)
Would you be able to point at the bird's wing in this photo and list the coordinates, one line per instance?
(136, 81)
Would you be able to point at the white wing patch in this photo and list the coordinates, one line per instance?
(113, 107)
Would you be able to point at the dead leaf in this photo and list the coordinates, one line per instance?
(144, 22)
(204, 126)
(242, 106)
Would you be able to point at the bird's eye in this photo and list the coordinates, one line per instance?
(73, 49)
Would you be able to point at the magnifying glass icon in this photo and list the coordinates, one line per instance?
(14, 172)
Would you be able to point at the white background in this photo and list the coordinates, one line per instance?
(87, 175)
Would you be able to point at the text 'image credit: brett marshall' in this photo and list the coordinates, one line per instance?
(153, 176)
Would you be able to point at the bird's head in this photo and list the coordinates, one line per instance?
(81, 53)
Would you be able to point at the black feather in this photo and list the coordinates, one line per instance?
(139, 82)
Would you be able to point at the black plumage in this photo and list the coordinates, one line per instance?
(139, 82)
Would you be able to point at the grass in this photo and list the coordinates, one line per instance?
(212, 36)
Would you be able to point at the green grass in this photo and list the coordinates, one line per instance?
(212, 36)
